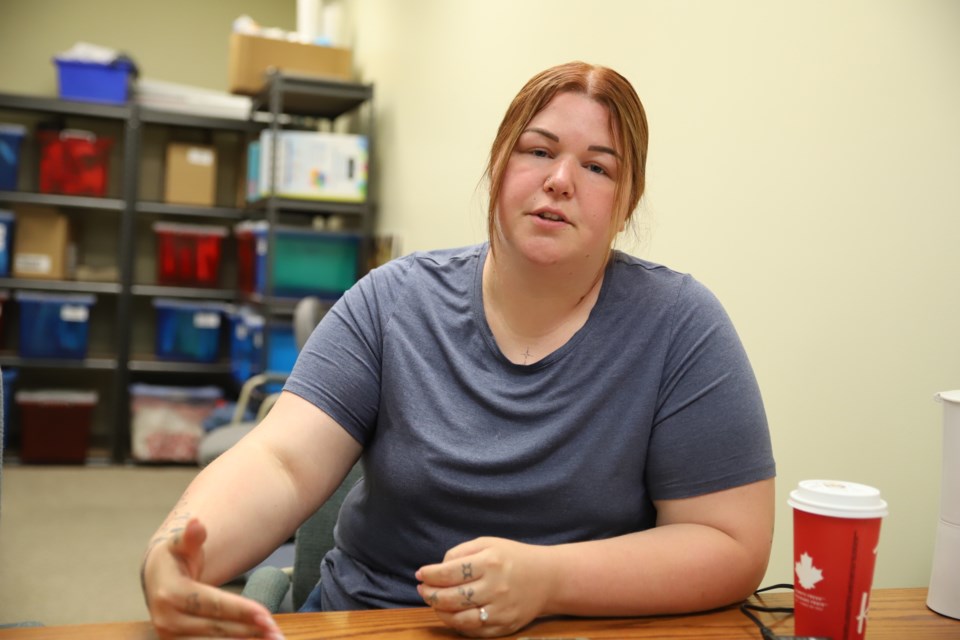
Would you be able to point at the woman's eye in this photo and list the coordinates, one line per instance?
(540, 153)
(595, 168)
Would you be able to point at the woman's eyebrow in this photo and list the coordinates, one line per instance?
(552, 136)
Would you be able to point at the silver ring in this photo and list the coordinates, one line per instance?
(484, 616)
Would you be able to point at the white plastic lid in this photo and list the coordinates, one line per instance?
(838, 499)
(949, 396)
(192, 229)
(53, 396)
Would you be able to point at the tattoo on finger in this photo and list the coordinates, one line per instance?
(467, 597)
(434, 598)
(193, 603)
(467, 568)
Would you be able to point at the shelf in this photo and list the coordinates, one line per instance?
(144, 363)
(13, 360)
(313, 96)
(67, 286)
(64, 107)
(149, 115)
(166, 209)
(56, 200)
(313, 207)
(183, 292)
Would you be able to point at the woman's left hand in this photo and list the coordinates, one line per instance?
(487, 587)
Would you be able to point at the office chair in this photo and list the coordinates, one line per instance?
(306, 315)
(285, 590)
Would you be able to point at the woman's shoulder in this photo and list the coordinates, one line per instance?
(655, 280)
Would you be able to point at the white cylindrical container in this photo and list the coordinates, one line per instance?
(944, 594)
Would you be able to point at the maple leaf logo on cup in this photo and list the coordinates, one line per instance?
(808, 574)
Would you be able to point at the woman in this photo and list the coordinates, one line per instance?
(547, 426)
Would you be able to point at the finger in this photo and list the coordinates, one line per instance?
(468, 548)
(194, 626)
(210, 603)
(454, 599)
(468, 623)
(189, 541)
(451, 573)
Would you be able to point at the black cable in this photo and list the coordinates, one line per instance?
(766, 633)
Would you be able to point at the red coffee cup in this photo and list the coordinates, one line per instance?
(836, 529)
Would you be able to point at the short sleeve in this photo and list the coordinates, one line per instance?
(710, 429)
(339, 368)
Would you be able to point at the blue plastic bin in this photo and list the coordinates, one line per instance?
(94, 82)
(54, 325)
(11, 139)
(246, 343)
(9, 382)
(6, 241)
(188, 330)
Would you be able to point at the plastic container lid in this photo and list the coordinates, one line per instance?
(193, 229)
(176, 393)
(53, 396)
(189, 305)
(60, 298)
(838, 499)
(949, 396)
(8, 129)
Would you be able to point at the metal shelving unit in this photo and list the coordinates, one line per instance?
(131, 211)
(303, 102)
(287, 101)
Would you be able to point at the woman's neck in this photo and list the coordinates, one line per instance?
(534, 309)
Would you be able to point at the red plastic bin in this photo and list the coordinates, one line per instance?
(73, 162)
(188, 254)
(55, 425)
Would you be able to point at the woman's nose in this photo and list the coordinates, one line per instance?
(559, 180)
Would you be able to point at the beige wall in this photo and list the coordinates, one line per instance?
(804, 164)
(175, 40)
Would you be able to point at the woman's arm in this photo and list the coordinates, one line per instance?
(705, 552)
(242, 507)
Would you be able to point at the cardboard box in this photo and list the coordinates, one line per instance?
(311, 165)
(252, 56)
(43, 245)
(191, 174)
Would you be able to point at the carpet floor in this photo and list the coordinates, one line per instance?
(71, 539)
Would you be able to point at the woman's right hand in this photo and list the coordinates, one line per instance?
(182, 606)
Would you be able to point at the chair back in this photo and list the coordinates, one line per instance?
(315, 537)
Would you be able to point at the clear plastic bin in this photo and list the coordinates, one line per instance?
(167, 422)
(188, 254)
(54, 325)
(188, 330)
(55, 425)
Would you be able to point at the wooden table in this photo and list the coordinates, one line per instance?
(895, 614)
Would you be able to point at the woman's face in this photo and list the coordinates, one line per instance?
(556, 204)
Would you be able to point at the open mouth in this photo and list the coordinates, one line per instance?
(551, 216)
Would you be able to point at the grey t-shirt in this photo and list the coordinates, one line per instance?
(652, 399)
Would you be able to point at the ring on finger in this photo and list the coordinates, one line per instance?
(484, 615)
